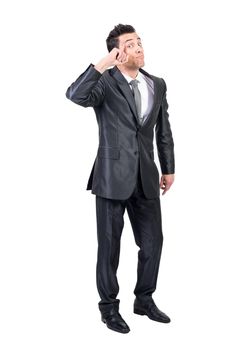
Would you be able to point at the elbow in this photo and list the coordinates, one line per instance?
(79, 100)
(72, 96)
(69, 94)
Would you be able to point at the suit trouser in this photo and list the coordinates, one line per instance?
(145, 218)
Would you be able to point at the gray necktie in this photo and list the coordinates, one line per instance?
(137, 97)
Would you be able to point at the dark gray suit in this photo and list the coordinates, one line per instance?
(124, 175)
(123, 142)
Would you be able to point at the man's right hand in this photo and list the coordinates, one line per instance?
(114, 58)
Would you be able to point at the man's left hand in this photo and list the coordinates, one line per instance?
(166, 182)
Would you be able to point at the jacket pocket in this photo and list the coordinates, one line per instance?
(108, 152)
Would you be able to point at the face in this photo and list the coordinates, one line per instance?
(132, 46)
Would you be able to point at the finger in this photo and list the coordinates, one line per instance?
(165, 190)
(116, 53)
(167, 187)
(121, 57)
(125, 60)
(120, 53)
(162, 183)
(122, 60)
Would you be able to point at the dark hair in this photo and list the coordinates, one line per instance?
(113, 37)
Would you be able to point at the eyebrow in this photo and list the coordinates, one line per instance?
(132, 39)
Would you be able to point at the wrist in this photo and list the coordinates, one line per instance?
(101, 66)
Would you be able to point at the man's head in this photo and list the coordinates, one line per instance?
(125, 37)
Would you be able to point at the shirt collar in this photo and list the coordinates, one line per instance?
(139, 77)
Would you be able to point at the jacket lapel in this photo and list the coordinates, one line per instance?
(125, 89)
(156, 96)
(127, 93)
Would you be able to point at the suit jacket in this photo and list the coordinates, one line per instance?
(124, 144)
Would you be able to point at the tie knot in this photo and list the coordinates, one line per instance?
(134, 83)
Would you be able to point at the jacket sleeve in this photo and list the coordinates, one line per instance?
(88, 90)
(164, 138)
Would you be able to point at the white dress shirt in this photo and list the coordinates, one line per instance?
(146, 87)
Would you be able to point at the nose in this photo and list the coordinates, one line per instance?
(139, 49)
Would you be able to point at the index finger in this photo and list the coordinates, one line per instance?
(121, 51)
(122, 47)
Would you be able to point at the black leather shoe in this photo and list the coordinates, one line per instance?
(151, 310)
(115, 322)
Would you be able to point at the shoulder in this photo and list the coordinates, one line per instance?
(108, 75)
(160, 82)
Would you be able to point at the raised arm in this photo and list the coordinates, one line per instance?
(89, 89)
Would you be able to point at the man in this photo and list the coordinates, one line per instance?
(129, 104)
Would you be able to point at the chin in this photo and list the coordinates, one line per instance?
(141, 63)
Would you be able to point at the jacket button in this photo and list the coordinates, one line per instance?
(136, 152)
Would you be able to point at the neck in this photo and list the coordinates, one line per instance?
(126, 70)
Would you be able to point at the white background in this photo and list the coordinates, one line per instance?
(48, 145)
